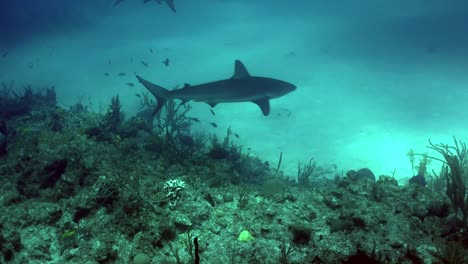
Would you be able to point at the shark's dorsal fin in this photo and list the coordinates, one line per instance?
(240, 71)
(186, 85)
(212, 104)
(264, 105)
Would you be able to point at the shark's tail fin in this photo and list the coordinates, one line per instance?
(161, 94)
(170, 4)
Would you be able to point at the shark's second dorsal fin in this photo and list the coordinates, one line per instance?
(240, 71)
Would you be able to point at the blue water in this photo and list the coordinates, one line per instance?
(374, 78)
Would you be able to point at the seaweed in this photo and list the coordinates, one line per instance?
(455, 158)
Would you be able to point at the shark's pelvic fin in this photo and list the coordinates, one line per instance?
(240, 71)
(264, 105)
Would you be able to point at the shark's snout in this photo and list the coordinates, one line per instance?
(288, 87)
(292, 87)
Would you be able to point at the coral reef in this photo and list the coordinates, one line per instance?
(83, 187)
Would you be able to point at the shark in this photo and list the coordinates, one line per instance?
(169, 3)
(117, 2)
(241, 87)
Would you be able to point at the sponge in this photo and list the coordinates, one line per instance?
(245, 236)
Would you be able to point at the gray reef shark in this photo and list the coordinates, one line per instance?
(169, 3)
(241, 87)
(117, 2)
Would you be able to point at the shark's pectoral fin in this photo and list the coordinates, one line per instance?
(264, 105)
(240, 71)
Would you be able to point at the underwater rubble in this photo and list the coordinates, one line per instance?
(85, 187)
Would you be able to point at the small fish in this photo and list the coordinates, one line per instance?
(431, 50)
(130, 84)
(213, 124)
(51, 51)
(138, 95)
(194, 119)
(109, 62)
(122, 74)
(166, 62)
(236, 135)
(284, 112)
(212, 112)
(106, 74)
(151, 50)
(146, 1)
(291, 54)
(145, 63)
